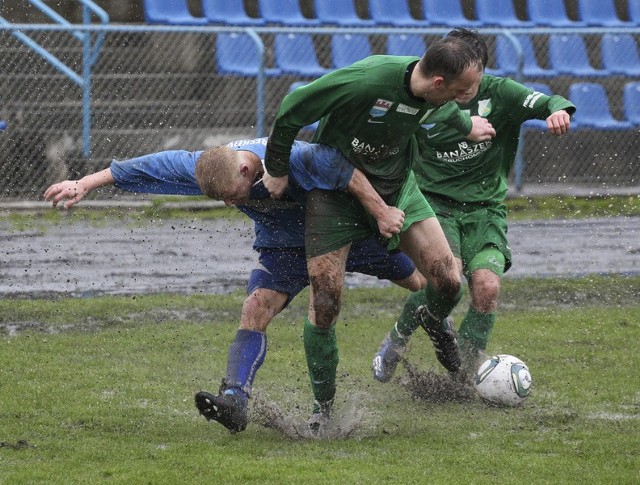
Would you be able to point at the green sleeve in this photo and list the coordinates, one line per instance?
(302, 107)
(529, 106)
(456, 118)
(557, 103)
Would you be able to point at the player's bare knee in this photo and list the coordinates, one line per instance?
(326, 300)
(484, 293)
(445, 277)
(327, 307)
(450, 286)
(256, 313)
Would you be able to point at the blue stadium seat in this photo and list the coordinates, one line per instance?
(3, 125)
(396, 12)
(172, 12)
(592, 108)
(633, 10)
(499, 13)
(406, 45)
(540, 125)
(448, 13)
(631, 102)
(507, 59)
(540, 87)
(600, 13)
(237, 54)
(568, 56)
(286, 12)
(229, 12)
(349, 48)
(550, 13)
(296, 54)
(309, 129)
(620, 54)
(339, 12)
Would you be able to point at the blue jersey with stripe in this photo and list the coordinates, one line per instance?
(278, 223)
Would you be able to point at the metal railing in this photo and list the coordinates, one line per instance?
(91, 52)
(129, 89)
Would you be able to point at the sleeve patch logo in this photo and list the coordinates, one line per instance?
(380, 108)
(530, 101)
(403, 108)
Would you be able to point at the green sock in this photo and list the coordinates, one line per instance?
(321, 349)
(475, 329)
(440, 306)
(407, 322)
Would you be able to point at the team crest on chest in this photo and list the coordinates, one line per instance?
(484, 107)
(380, 108)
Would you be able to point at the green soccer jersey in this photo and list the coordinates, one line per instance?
(458, 169)
(368, 113)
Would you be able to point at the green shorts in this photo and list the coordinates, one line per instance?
(335, 219)
(471, 228)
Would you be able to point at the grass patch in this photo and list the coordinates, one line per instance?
(520, 208)
(568, 207)
(101, 389)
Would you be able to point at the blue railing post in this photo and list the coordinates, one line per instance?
(260, 81)
(89, 56)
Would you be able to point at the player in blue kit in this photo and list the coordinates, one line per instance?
(233, 173)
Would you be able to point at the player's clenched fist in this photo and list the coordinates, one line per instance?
(559, 122)
(275, 185)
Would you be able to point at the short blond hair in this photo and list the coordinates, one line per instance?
(216, 169)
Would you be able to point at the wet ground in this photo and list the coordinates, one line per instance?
(198, 256)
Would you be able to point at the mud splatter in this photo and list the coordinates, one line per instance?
(432, 387)
(348, 418)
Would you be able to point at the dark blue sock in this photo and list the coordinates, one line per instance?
(246, 355)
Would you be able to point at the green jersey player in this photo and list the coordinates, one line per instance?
(369, 113)
(466, 185)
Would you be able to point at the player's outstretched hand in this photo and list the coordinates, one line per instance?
(559, 122)
(275, 185)
(481, 129)
(390, 221)
(71, 191)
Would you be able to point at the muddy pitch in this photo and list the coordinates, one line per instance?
(215, 256)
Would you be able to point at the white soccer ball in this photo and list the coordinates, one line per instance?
(504, 380)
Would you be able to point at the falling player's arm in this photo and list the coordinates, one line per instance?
(167, 172)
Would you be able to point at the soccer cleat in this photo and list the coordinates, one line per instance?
(321, 415)
(444, 340)
(228, 409)
(387, 358)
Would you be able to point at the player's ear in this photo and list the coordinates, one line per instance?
(244, 164)
(438, 81)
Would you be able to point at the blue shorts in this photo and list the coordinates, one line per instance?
(285, 269)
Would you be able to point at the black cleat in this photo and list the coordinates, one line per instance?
(444, 340)
(230, 410)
